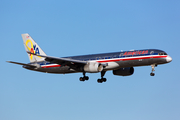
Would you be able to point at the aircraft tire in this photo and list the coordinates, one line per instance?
(99, 80)
(86, 78)
(152, 74)
(104, 79)
(82, 79)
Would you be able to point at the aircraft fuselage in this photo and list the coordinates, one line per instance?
(113, 60)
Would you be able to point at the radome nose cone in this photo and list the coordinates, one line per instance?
(168, 59)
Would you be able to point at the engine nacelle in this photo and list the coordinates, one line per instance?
(93, 67)
(124, 71)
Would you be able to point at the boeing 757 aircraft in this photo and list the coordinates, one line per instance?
(121, 63)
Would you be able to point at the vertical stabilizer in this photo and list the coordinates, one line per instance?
(31, 46)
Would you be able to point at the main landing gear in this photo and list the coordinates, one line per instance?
(99, 80)
(102, 79)
(153, 66)
(84, 77)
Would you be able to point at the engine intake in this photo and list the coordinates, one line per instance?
(124, 71)
(93, 67)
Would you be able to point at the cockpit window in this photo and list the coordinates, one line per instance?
(162, 53)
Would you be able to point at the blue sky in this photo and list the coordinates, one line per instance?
(64, 28)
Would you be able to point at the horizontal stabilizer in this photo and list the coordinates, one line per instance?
(21, 63)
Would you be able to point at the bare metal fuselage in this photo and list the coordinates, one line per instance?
(113, 63)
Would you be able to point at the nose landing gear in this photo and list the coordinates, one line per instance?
(153, 69)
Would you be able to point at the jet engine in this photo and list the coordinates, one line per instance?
(124, 71)
(93, 67)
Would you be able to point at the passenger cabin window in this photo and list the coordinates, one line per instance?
(98, 58)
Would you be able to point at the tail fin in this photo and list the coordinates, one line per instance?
(31, 46)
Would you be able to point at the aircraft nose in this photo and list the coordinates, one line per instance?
(168, 59)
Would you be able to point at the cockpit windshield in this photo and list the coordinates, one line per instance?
(162, 53)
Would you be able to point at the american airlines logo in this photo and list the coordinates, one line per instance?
(33, 48)
(136, 53)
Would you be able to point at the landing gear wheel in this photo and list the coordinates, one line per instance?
(152, 74)
(99, 81)
(104, 79)
(86, 78)
(82, 79)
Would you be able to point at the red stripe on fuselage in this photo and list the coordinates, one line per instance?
(127, 59)
(49, 66)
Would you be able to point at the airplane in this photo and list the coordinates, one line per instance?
(121, 63)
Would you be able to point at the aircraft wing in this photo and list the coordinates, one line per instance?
(61, 61)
